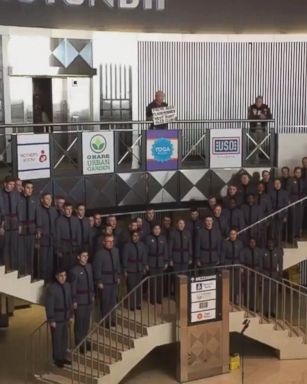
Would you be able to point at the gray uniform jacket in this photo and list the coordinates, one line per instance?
(86, 233)
(296, 189)
(279, 199)
(157, 251)
(265, 204)
(82, 284)
(252, 257)
(251, 214)
(272, 262)
(58, 303)
(68, 234)
(234, 218)
(106, 266)
(208, 246)
(231, 252)
(180, 246)
(9, 202)
(29, 215)
(134, 257)
(48, 218)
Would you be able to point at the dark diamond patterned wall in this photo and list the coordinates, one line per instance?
(100, 191)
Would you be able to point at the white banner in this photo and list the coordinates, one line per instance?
(98, 152)
(163, 115)
(225, 148)
(33, 156)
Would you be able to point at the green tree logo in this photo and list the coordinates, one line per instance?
(98, 143)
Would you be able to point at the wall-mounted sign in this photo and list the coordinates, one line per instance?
(203, 299)
(225, 148)
(98, 152)
(33, 156)
(162, 150)
(163, 115)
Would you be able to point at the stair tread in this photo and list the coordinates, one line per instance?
(55, 378)
(102, 357)
(113, 344)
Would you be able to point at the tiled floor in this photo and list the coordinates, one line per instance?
(261, 366)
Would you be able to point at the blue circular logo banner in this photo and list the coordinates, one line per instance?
(162, 150)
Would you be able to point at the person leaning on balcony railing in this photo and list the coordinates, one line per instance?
(158, 102)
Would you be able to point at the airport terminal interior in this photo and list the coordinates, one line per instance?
(153, 192)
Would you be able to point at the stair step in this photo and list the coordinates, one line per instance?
(81, 373)
(119, 335)
(92, 359)
(52, 378)
(105, 340)
(136, 328)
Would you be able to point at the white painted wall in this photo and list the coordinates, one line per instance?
(291, 148)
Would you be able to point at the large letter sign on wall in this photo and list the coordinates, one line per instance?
(162, 150)
(98, 152)
(225, 148)
(33, 156)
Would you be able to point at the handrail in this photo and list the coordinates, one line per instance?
(290, 282)
(273, 214)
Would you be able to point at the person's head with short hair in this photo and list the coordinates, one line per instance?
(18, 185)
(232, 190)
(297, 172)
(156, 230)
(180, 225)
(244, 179)
(112, 220)
(27, 188)
(217, 210)
(194, 214)
(232, 203)
(167, 222)
(285, 172)
(208, 222)
(266, 176)
(159, 97)
(270, 244)
(212, 202)
(250, 199)
(259, 101)
(108, 230)
(80, 210)
(277, 184)
(304, 162)
(252, 242)
(139, 222)
(46, 200)
(133, 226)
(150, 214)
(59, 202)
(260, 188)
(68, 209)
(61, 276)
(233, 234)
(97, 219)
(91, 221)
(135, 237)
(108, 241)
(83, 257)
(9, 183)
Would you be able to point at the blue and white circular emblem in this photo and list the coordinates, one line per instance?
(162, 150)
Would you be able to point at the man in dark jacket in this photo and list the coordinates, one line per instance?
(135, 265)
(59, 313)
(85, 228)
(279, 199)
(296, 192)
(106, 267)
(251, 213)
(220, 220)
(157, 103)
(234, 215)
(82, 287)
(193, 226)
(180, 247)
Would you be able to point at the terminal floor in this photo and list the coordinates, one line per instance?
(261, 365)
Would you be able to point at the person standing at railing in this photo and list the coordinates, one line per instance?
(107, 270)
(46, 243)
(158, 102)
(59, 311)
(279, 199)
(158, 260)
(251, 256)
(83, 297)
(208, 246)
(30, 223)
(296, 192)
(67, 238)
(180, 247)
(272, 266)
(251, 213)
(85, 228)
(135, 266)
(231, 251)
(9, 200)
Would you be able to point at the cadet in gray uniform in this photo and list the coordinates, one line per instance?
(68, 238)
(279, 199)
(272, 266)
(148, 222)
(296, 192)
(231, 255)
(220, 220)
(85, 228)
(106, 267)
(157, 261)
(29, 228)
(251, 214)
(135, 266)
(9, 200)
(234, 215)
(251, 256)
(46, 250)
(193, 226)
(208, 245)
(264, 203)
(180, 247)
(83, 296)
(59, 312)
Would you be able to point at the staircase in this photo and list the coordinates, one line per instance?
(21, 288)
(293, 256)
(118, 347)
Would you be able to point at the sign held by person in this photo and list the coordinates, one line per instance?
(163, 115)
